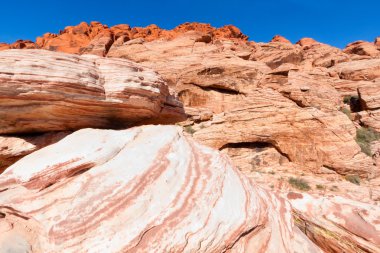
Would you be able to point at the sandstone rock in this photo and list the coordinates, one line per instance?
(370, 101)
(73, 39)
(322, 55)
(13, 148)
(45, 91)
(19, 44)
(146, 189)
(276, 54)
(362, 48)
(246, 98)
(377, 41)
(337, 224)
(359, 70)
(4, 46)
(279, 38)
(306, 42)
(308, 137)
(96, 38)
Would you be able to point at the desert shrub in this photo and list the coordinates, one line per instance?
(347, 112)
(355, 179)
(189, 129)
(347, 99)
(299, 183)
(364, 137)
(320, 187)
(334, 188)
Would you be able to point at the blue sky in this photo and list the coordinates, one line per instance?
(334, 22)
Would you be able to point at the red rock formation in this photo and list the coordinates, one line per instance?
(95, 38)
(146, 189)
(279, 38)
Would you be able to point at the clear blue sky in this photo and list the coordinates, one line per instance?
(335, 22)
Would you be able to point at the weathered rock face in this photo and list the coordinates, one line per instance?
(359, 70)
(13, 148)
(233, 100)
(45, 91)
(362, 48)
(146, 189)
(96, 38)
(306, 42)
(337, 224)
(279, 38)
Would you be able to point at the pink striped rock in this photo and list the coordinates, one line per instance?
(338, 224)
(48, 91)
(146, 189)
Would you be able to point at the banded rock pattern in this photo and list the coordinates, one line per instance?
(338, 224)
(44, 91)
(146, 189)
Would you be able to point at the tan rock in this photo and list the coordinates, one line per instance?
(377, 42)
(275, 54)
(359, 70)
(146, 189)
(45, 91)
(362, 48)
(306, 42)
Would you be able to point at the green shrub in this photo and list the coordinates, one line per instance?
(320, 187)
(189, 129)
(347, 112)
(355, 179)
(347, 99)
(364, 137)
(299, 183)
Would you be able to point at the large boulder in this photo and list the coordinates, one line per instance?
(47, 91)
(146, 189)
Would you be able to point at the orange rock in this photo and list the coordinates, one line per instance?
(377, 41)
(362, 48)
(306, 42)
(279, 38)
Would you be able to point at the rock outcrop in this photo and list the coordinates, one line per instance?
(337, 224)
(146, 189)
(363, 48)
(44, 91)
(279, 38)
(13, 148)
(292, 117)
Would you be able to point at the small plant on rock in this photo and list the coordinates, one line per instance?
(355, 179)
(364, 137)
(189, 129)
(320, 187)
(299, 183)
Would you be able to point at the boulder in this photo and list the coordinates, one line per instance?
(44, 91)
(146, 189)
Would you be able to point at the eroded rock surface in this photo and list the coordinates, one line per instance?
(338, 224)
(146, 189)
(44, 91)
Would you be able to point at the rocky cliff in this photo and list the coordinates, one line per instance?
(293, 118)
